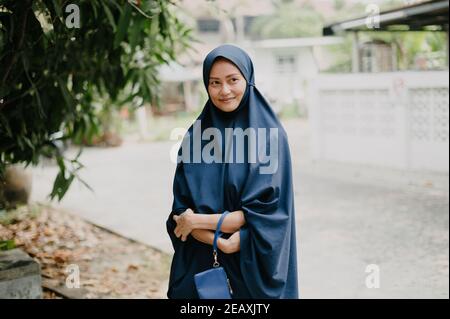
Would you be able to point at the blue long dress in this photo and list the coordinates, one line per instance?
(266, 265)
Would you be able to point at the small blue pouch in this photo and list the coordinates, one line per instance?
(213, 283)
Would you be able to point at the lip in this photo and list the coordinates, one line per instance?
(227, 100)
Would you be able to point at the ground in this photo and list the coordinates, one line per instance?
(110, 266)
(348, 216)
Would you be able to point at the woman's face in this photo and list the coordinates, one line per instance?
(226, 85)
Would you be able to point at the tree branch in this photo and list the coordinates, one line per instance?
(20, 37)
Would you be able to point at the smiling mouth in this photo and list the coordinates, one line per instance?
(227, 100)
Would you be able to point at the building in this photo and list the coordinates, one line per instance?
(394, 119)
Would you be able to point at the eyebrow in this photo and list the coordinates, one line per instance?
(234, 74)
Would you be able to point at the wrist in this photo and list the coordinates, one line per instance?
(195, 222)
(222, 244)
(204, 221)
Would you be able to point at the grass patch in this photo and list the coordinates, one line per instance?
(8, 217)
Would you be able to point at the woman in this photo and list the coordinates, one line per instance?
(258, 247)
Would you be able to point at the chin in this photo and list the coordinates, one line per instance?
(228, 108)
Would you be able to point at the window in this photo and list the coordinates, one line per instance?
(286, 63)
(208, 25)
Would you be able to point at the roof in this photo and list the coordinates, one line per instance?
(416, 17)
(295, 42)
(174, 72)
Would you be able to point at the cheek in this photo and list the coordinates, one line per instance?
(240, 90)
(212, 94)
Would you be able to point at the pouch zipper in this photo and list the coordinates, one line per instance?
(229, 286)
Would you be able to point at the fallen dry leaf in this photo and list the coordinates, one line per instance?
(132, 267)
(55, 239)
(62, 256)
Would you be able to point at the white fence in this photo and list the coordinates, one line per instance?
(398, 119)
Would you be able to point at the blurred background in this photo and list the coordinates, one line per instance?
(88, 103)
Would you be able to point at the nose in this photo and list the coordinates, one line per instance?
(225, 89)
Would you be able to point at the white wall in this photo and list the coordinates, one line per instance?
(287, 86)
(397, 119)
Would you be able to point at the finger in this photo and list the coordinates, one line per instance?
(184, 234)
(175, 217)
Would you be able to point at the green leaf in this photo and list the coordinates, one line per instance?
(65, 92)
(110, 16)
(29, 143)
(7, 244)
(135, 34)
(61, 183)
(94, 8)
(57, 7)
(5, 124)
(124, 21)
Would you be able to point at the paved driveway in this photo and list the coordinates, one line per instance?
(348, 216)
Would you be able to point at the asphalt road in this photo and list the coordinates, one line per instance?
(349, 217)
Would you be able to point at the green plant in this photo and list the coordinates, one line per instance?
(7, 244)
(290, 110)
(288, 21)
(51, 75)
(22, 212)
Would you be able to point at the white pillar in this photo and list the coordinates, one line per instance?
(355, 53)
(187, 88)
(394, 57)
(240, 24)
(446, 57)
(141, 116)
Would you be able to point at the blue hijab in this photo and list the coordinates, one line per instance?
(266, 265)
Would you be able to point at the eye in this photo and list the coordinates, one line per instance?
(214, 83)
(234, 80)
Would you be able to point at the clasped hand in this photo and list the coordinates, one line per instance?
(185, 224)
